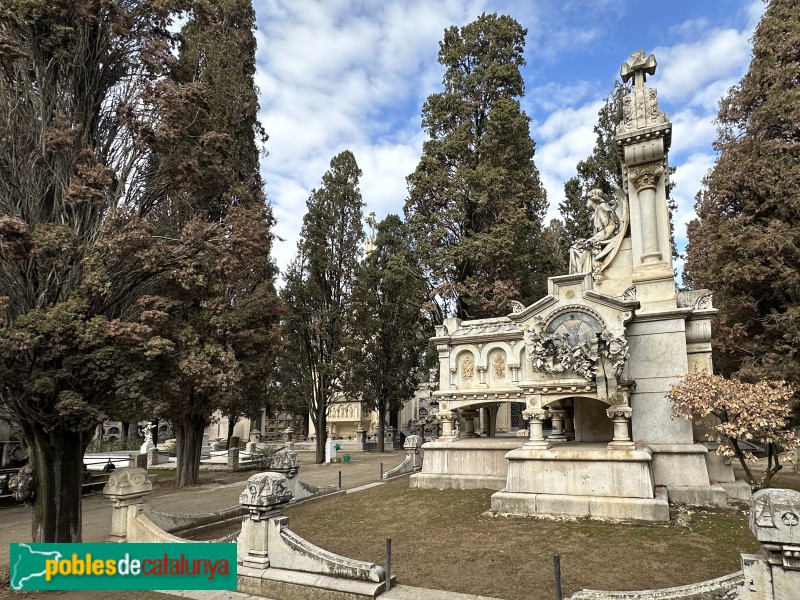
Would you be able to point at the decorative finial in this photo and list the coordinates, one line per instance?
(639, 68)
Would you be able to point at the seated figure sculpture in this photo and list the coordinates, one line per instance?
(605, 224)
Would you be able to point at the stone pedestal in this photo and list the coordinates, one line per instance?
(250, 447)
(127, 489)
(775, 521)
(264, 498)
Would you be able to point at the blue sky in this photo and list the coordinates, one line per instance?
(350, 74)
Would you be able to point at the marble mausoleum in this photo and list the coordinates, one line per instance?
(593, 360)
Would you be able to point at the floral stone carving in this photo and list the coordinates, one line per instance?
(575, 342)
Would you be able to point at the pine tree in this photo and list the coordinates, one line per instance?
(388, 337)
(745, 243)
(475, 201)
(318, 295)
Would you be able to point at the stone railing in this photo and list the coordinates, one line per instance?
(273, 560)
(277, 563)
(413, 461)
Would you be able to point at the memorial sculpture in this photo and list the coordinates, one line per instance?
(590, 363)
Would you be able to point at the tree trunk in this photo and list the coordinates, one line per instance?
(56, 458)
(320, 423)
(381, 420)
(189, 444)
(124, 432)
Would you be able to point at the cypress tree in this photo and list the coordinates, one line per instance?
(475, 201)
(745, 243)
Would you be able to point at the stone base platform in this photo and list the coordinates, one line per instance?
(582, 480)
(465, 463)
(296, 585)
(598, 507)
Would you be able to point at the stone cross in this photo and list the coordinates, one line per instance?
(638, 68)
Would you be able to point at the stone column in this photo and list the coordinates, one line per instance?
(469, 423)
(514, 368)
(127, 489)
(264, 498)
(481, 369)
(288, 435)
(557, 434)
(569, 423)
(645, 177)
(621, 416)
(536, 438)
(453, 371)
(446, 418)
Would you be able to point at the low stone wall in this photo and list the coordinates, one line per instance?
(713, 589)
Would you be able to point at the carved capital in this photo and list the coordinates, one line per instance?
(645, 176)
(536, 414)
(619, 412)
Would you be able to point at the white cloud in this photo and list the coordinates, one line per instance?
(685, 69)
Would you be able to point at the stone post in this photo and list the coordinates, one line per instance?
(288, 435)
(775, 521)
(558, 434)
(152, 457)
(233, 459)
(264, 498)
(250, 447)
(127, 489)
(621, 416)
(535, 419)
(413, 445)
(361, 436)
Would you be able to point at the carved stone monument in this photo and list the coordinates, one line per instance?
(587, 366)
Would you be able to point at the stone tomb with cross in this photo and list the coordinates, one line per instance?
(589, 364)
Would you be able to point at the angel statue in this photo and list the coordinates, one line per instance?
(606, 224)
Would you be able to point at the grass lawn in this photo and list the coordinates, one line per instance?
(441, 539)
